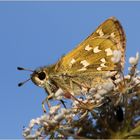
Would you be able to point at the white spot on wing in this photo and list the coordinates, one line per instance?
(112, 35)
(103, 65)
(72, 61)
(100, 32)
(99, 68)
(85, 63)
(87, 48)
(96, 49)
(108, 51)
(103, 60)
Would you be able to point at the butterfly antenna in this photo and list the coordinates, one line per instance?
(22, 83)
(20, 68)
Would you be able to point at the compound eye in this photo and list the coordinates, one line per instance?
(41, 75)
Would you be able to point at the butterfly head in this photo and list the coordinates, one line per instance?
(38, 77)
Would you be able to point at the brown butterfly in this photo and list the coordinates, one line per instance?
(86, 65)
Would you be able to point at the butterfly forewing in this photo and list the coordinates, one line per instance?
(96, 52)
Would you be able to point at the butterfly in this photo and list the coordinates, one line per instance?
(86, 65)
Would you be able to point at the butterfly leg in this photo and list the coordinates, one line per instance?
(80, 85)
(46, 101)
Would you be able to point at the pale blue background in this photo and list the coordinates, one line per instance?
(33, 34)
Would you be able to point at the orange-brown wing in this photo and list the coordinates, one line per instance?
(103, 50)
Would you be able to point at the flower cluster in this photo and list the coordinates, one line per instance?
(109, 110)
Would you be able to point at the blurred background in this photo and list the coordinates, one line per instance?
(34, 34)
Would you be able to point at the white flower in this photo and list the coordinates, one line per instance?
(134, 60)
(108, 86)
(97, 96)
(127, 77)
(136, 80)
(102, 92)
(26, 132)
(54, 109)
(98, 87)
(118, 80)
(44, 117)
(52, 122)
(33, 122)
(59, 117)
(92, 91)
(116, 56)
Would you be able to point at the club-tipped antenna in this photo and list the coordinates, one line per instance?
(20, 68)
(22, 83)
